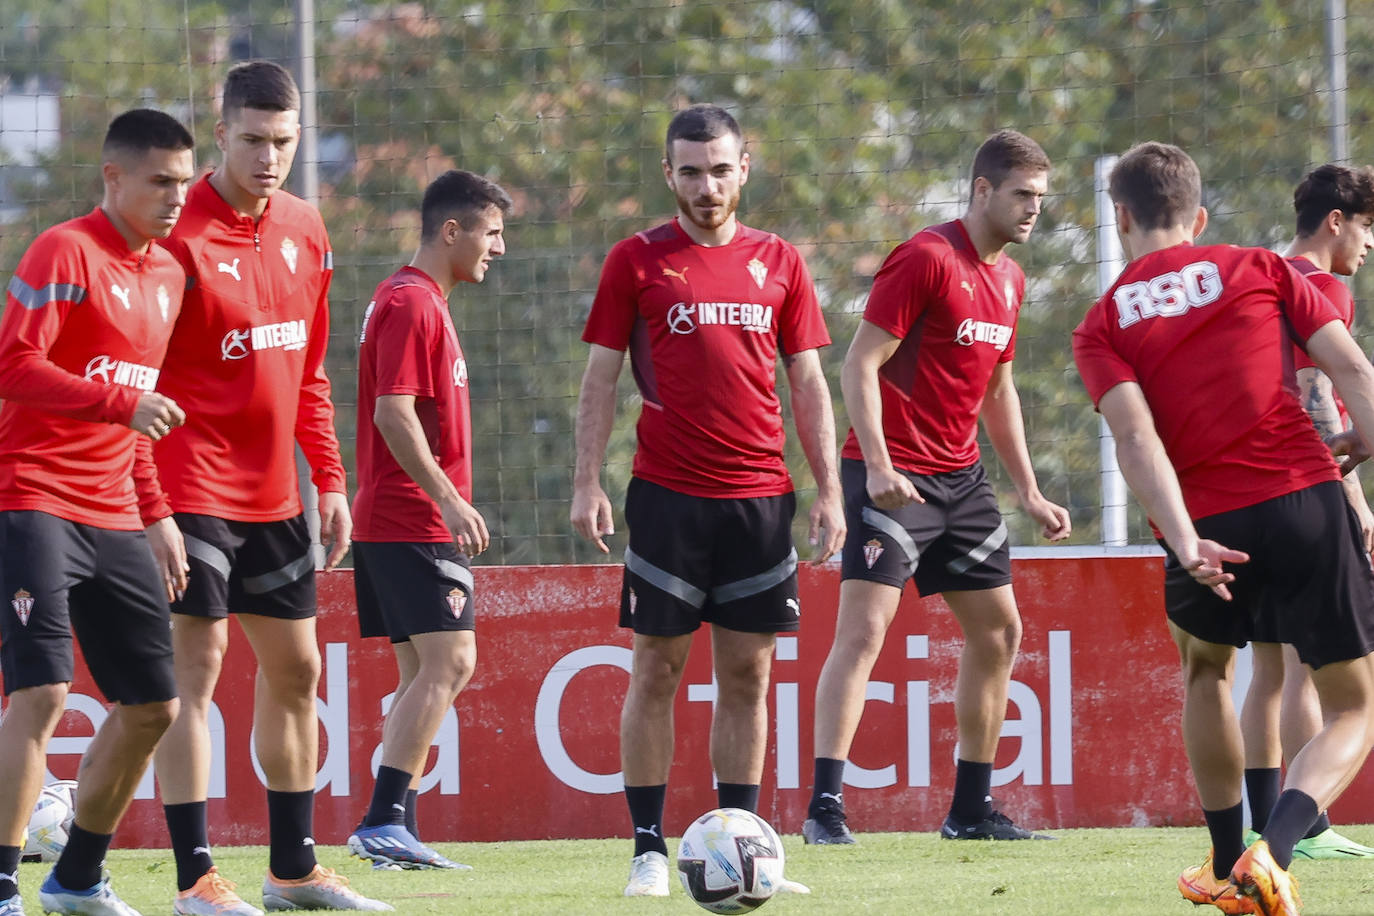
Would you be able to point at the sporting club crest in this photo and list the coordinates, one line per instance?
(758, 271)
(23, 605)
(456, 601)
(288, 254)
(872, 550)
(164, 301)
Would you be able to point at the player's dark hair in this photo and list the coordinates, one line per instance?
(1333, 187)
(141, 129)
(460, 195)
(1003, 153)
(1158, 184)
(701, 123)
(259, 84)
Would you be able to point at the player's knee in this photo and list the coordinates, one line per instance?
(297, 681)
(42, 705)
(148, 721)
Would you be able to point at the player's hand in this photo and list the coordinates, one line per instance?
(156, 415)
(827, 526)
(1204, 564)
(591, 515)
(1366, 526)
(467, 526)
(1349, 449)
(336, 526)
(1053, 518)
(169, 551)
(890, 489)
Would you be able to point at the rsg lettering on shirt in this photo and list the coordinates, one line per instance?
(971, 332)
(1169, 294)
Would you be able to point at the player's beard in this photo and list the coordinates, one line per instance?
(717, 219)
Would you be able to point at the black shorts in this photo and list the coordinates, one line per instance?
(955, 541)
(56, 576)
(407, 588)
(729, 562)
(264, 568)
(1308, 582)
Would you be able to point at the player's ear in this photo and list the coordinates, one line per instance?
(110, 172)
(1333, 221)
(1199, 222)
(220, 133)
(743, 167)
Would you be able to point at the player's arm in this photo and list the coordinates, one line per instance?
(1336, 353)
(591, 508)
(814, 416)
(1315, 395)
(28, 376)
(1152, 479)
(871, 347)
(1006, 431)
(399, 424)
(315, 433)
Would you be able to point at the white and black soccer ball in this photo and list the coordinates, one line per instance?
(730, 861)
(51, 821)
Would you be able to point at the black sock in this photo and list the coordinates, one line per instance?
(737, 795)
(388, 798)
(827, 784)
(9, 871)
(78, 868)
(646, 814)
(1319, 826)
(1262, 786)
(412, 816)
(1293, 813)
(186, 824)
(972, 787)
(1227, 827)
(290, 820)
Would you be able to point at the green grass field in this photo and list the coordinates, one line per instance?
(1107, 872)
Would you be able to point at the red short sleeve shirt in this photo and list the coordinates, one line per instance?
(956, 316)
(409, 346)
(704, 327)
(1208, 334)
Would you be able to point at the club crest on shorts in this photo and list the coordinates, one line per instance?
(456, 601)
(23, 605)
(872, 550)
(634, 600)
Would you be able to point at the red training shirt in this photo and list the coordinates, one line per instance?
(246, 360)
(704, 327)
(85, 328)
(408, 345)
(956, 316)
(1207, 333)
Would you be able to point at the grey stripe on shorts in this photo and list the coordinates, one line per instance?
(208, 554)
(271, 581)
(455, 571)
(981, 552)
(663, 580)
(743, 588)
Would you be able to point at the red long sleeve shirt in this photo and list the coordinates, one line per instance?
(246, 361)
(85, 328)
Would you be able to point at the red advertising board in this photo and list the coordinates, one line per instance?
(531, 749)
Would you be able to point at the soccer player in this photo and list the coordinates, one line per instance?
(933, 354)
(1335, 210)
(416, 529)
(1179, 357)
(88, 315)
(705, 305)
(247, 360)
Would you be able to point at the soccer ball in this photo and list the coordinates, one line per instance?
(730, 861)
(51, 821)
